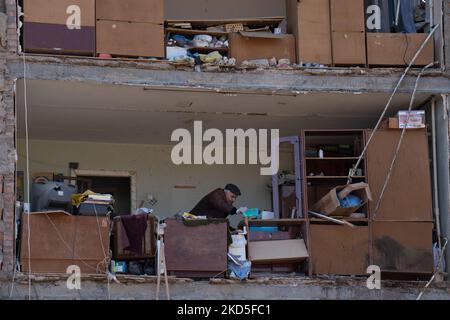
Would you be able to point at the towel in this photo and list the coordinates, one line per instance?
(134, 227)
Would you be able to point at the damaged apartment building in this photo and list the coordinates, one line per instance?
(93, 93)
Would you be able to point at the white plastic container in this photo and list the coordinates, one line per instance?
(174, 52)
(238, 247)
(268, 215)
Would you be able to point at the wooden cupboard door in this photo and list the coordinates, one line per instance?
(408, 194)
(347, 15)
(404, 247)
(339, 249)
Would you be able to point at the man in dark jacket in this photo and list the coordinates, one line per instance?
(219, 203)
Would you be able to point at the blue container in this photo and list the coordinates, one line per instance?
(252, 213)
(264, 229)
(120, 267)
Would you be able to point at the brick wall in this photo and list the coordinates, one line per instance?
(8, 45)
(11, 29)
(7, 178)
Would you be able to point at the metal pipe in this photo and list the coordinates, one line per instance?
(431, 8)
(435, 179)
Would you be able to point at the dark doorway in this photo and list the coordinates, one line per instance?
(118, 187)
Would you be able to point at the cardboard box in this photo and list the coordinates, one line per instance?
(349, 48)
(277, 251)
(150, 11)
(416, 122)
(390, 123)
(130, 39)
(347, 15)
(416, 119)
(55, 11)
(309, 22)
(330, 205)
(261, 45)
(398, 49)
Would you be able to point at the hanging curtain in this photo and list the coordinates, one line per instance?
(406, 17)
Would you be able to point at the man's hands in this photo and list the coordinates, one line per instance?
(242, 210)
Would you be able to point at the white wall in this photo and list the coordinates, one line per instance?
(155, 172)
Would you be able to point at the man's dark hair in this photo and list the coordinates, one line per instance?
(233, 188)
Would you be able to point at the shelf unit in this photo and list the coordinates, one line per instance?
(334, 249)
(403, 226)
(196, 32)
(288, 229)
(399, 237)
(297, 226)
(334, 177)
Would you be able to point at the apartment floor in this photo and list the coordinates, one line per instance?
(50, 287)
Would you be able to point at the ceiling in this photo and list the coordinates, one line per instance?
(77, 111)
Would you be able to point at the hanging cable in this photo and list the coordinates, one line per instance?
(399, 144)
(16, 263)
(441, 255)
(391, 98)
(106, 259)
(27, 180)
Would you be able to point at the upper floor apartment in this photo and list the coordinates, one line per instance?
(259, 45)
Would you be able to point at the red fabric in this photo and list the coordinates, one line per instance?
(135, 227)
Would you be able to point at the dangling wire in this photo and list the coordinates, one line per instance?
(27, 180)
(399, 144)
(391, 98)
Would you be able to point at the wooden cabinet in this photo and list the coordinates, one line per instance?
(196, 251)
(309, 21)
(398, 238)
(59, 240)
(46, 29)
(148, 242)
(398, 49)
(132, 28)
(339, 249)
(130, 39)
(148, 11)
(287, 229)
(329, 156)
(341, 149)
(347, 15)
(349, 48)
(348, 32)
(403, 246)
(408, 194)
